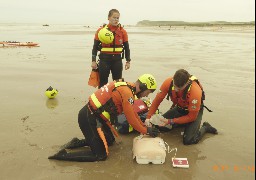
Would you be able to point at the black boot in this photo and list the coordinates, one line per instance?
(75, 143)
(58, 155)
(81, 156)
(209, 128)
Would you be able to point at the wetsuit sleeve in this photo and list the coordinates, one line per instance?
(95, 49)
(127, 51)
(159, 97)
(194, 105)
(95, 46)
(131, 116)
(126, 45)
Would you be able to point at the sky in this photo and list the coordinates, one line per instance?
(95, 12)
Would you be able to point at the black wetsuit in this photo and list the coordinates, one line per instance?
(88, 125)
(192, 133)
(110, 62)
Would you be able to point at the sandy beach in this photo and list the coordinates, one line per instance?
(34, 127)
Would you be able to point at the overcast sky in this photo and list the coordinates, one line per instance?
(94, 12)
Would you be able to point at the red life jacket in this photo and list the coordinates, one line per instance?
(182, 102)
(140, 107)
(116, 47)
(102, 104)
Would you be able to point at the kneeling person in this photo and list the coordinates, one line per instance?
(187, 95)
(100, 113)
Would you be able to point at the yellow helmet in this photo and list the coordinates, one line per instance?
(105, 35)
(51, 93)
(147, 81)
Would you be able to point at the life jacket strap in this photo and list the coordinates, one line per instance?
(207, 108)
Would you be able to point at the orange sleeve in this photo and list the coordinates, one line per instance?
(131, 116)
(194, 105)
(159, 97)
(125, 35)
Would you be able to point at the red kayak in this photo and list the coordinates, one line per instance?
(15, 43)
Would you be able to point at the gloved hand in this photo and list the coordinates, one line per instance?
(152, 131)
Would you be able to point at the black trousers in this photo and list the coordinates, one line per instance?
(192, 132)
(88, 125)
(113, 65)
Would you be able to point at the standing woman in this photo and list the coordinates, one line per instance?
(112, 42)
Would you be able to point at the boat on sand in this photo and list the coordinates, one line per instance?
(15, 43)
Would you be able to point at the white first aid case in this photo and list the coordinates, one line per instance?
(147, 149)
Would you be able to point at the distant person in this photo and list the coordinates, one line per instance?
(111, 52)
(187, 95)
(100, 113)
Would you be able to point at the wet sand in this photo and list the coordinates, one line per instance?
(33, 127)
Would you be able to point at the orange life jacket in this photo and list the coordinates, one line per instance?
(182, 102)
(116, 47)
(102, 104)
